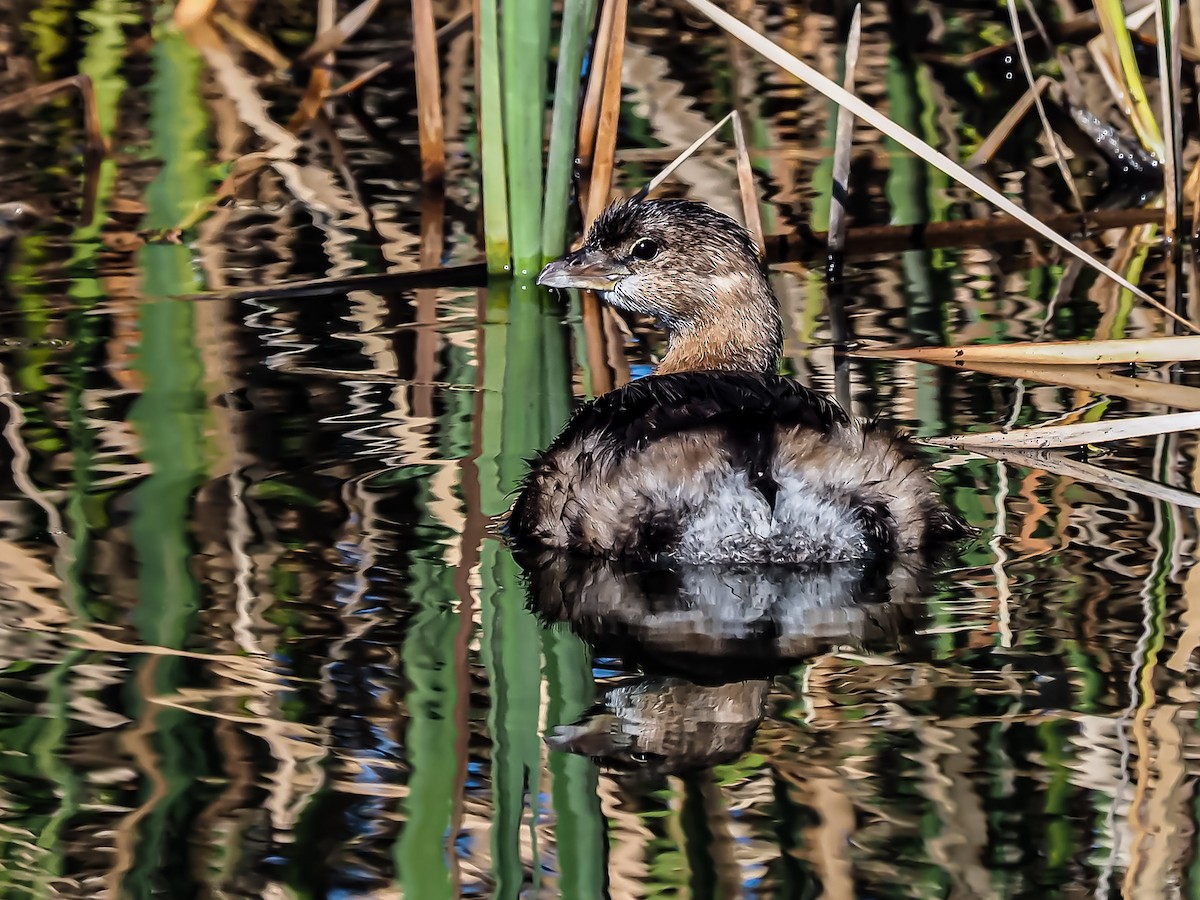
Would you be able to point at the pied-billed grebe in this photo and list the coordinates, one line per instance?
(714, 458)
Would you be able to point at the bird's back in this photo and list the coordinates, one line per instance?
(726, 467)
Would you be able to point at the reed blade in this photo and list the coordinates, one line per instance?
(525, 39)
(686, 154)
(748, 186)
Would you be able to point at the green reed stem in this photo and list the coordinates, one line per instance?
(497, 247)
(525, 36)
(577, 19)
(1111, 14)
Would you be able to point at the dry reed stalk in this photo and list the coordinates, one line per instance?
(429, 94)
(1076, 435)
(1096, 381)
(1017, 112)
(842, 144)
(1179, 348)
(610, 112)
(589, 114)
(748, 187)
(1170, 77)
(596, 152)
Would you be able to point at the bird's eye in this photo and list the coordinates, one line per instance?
(644, 249)
(641, 757)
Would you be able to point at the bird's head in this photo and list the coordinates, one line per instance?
(693, 268)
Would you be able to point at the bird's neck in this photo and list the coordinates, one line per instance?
(738, 332)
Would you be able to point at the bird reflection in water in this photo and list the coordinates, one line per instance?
(707, 640)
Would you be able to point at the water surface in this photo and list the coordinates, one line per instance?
(258, 639)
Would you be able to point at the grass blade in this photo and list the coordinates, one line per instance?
(429, 91)
(842, 144)
(576, 27)
(911, 142)
(1070, 353)
(497, 248)
(1074, 435)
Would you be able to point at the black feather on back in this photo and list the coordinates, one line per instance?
(747, 406)
(659, 405)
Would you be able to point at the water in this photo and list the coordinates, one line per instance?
(260, 640)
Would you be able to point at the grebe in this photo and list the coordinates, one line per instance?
(714, 458)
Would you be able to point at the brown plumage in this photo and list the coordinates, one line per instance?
(714, 458)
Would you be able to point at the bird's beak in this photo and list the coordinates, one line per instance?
(585, 269)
